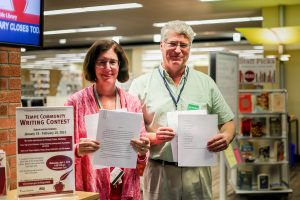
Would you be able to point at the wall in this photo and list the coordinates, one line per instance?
(10, 97)
(292, 67)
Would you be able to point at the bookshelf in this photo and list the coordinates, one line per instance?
(263, 143)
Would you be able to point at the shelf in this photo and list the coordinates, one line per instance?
(264, 163)
(285, 190)
(262, 90)
(260, 113)
(261, 138)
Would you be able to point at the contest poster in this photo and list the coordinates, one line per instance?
(45, 157)
(20, 21)
(257, 70)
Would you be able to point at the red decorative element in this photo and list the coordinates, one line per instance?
(65, 175)
(59, 187)
(249, 76)
(19, 5)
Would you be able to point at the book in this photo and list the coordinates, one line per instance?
(258, 126)
(244, 179)
(261, 102)
(246, 126)
(278, 151)
(277, 102)
(264, 153)
(232, 156)
(245, 102)
(275, 126)
(263, 181)
(247, 150)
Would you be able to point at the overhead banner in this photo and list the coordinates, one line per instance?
(45, 157)
(258, 70)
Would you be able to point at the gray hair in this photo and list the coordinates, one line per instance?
(179, 27)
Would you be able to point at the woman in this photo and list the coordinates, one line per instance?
(104, 63)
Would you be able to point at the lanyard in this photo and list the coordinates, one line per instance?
(175, 101)
(99, 102)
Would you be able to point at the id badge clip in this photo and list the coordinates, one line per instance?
(116, 175)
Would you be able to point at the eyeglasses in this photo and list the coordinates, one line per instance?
(173, 45)
(103, 63)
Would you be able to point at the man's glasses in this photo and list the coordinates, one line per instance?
(103, 63)
(173, 45)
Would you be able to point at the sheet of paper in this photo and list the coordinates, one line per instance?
(172, 118)
(194, 130)
(91, 126)
(115, 130)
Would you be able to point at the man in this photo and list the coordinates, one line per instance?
(174, 86)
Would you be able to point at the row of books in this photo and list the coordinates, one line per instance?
(246, 180)
(262, 102)
(252, 151)
(261, 126)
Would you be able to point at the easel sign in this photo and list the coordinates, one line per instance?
(45, 157)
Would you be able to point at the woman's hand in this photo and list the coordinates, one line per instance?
(86, 146)
(141, 145)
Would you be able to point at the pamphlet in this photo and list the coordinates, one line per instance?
(45, 157)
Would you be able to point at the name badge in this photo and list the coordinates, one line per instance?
(193, 107)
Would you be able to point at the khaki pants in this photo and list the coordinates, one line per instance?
(169, 182)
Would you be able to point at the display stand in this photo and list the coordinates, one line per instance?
(263, 143)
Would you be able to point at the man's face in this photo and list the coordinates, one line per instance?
(175, 51)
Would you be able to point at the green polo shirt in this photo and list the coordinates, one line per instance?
(199, 92)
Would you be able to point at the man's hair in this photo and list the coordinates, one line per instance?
(179, 27)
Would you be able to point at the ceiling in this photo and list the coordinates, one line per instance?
(136, 25)
(136, 28)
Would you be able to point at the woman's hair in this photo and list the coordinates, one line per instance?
(98, 48)
(179, 27)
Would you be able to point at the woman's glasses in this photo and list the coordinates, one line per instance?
(104, 63)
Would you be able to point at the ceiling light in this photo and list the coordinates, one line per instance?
(62, 41)
(284, 57)
(236, 37)
(156, 38)
(216, 21)
(93, 9)
(116, 39)
(80, 30)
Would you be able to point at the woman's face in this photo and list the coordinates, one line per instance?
(107, 67)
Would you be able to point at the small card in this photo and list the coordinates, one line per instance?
(116, 175)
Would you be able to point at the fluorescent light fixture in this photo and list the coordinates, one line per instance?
(207, 49)
(216, 21)
(93, 9)
(156, 38)
(81, 30)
